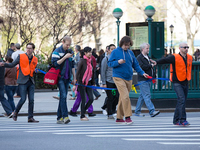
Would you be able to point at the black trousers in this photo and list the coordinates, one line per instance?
(113, 98)
(83, 90)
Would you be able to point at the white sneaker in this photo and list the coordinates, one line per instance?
(103, 91)
(115, 115)
(104, 112)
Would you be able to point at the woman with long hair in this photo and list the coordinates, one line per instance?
(85, 76)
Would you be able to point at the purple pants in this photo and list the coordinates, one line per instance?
(78, 101)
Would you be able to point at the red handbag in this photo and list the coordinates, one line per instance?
(51, 77)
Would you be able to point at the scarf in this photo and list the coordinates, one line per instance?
(88, 73)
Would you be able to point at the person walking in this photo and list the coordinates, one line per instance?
(77, 56)
(123, 60)
(85, 76)
(62, 59)
(5, 104)
(10, 82)
(17, 52)
(14, 57)
(10, 50)
(107, 82)
(180, 74)
(78, 98)
(197, 55)
(145, 87)
(27, 64)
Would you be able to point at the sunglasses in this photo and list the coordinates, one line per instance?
(185, 47)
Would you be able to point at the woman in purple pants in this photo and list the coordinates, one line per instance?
(77, 104)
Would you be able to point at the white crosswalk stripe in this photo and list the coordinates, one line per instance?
(158, 129)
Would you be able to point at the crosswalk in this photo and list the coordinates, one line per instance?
(159, 129)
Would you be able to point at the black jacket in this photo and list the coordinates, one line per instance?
(146, 66)
(82, 66)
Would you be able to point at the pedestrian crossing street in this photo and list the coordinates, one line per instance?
(159, 129)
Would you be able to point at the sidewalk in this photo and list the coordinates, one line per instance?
(45, 104)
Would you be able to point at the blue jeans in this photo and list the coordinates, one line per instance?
(165, 74)
(4, 102)
(17, 91)
(96, 93)
(10, 91)
(27, 88)
(63, 85)
(181, 92)
(145, 96)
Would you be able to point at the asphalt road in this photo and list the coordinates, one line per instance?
(100, 134)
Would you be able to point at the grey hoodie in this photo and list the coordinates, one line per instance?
(106, 72)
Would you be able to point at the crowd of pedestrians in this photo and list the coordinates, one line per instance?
(83, 69)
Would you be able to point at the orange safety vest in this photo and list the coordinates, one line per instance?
(182, 72)
(26, 68)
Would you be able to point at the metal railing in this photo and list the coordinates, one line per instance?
(164, 89)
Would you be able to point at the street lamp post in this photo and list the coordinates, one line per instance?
(171, 27)
(149, 11)
(117, 13)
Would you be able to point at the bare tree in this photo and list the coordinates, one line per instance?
(9, 25)
(160, 6)
(61, 19)
(22, 15)
(95, 13)
(189, 10)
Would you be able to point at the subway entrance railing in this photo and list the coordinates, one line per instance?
(164, 89)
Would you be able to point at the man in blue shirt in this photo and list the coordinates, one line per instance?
(62, 59)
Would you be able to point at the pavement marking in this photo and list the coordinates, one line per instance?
(179, 143)
(116, 129)
(159, 130)
(144, 135)
(158, 139)
(137, 132)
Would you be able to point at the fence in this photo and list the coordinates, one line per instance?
(164, 89)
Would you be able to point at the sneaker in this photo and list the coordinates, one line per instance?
(120, 121)
(15, 116)
(60, 121)
(139, 115)
(32, 120)
(184, 123)
(128, 121)
(66, 120)
(84, 119)
(104, 112)
(10, 116)
(91, 114)
(71, 113)
(115, 115)
(56, 97)
(110, 117)
(155, 113)
(97, 97)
